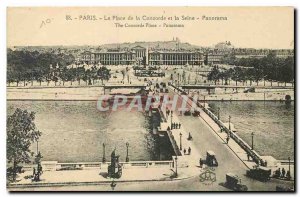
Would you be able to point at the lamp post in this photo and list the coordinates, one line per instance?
(289, 165)
(113, 185)
(127, 158)
(171, 120)
(252, 135)
(176, 173)
(180, 141)
(204, 101)
(229, 122)
(103, 158)
(218, 113)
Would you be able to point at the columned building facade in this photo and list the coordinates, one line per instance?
(175, 58)
(141, 55)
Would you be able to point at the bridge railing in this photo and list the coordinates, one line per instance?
(252, 153)
(55, 166)
(174, 144)
(287, 162)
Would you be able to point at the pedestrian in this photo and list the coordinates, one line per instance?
(288, 175)
(227, 139)
(283, 173)
(176, 125)
(189, 150)
(184, 151)
(201, 163)
(190, 136)
(248, 156)
(266, 163)
(179, 125)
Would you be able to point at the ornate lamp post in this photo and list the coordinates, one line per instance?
(289, 164)
(103, 158)
(127, 158)
(171, 120)
(229, 122)
(218, 113)
(180, 147)
(176, 173)
(252, 135)
(113, 185)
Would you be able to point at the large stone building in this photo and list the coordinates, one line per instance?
(175, 57)
(141, 55)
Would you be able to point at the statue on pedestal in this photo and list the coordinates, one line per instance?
(114, 169)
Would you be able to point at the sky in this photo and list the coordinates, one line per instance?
(246, 27)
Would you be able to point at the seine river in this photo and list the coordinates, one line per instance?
(74, 131)
(271, 122)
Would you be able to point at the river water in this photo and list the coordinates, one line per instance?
(271, 122)
(74, 131)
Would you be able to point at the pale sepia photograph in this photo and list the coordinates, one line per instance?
(150, 99)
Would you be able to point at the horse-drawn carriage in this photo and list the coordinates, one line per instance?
(210, 159)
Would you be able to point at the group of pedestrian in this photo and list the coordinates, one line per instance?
(188, 152)
(282, 173)
(175, 125)
(168, 112)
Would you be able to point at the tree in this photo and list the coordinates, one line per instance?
(21, 132)
(213, 75)
(104, 73)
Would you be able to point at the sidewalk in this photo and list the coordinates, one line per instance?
(193, 158)
(97, 176)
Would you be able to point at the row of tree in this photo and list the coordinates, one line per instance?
(269, 68)
(34, 66)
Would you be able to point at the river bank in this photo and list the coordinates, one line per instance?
(94, 92)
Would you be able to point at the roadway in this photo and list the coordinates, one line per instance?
(205, 139)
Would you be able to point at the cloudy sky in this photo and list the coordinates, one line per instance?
(252, 27)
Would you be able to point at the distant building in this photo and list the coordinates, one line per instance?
(259, 53)
(141, 55)
(108, 57)
(159, 55)
(175, 57)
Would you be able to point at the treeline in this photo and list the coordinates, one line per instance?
(269, 68)
(34, 66)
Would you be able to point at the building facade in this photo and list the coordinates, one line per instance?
(141, 55)
(156, 56)
(175, 58)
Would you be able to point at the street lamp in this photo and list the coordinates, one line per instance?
(176, 174)
(113, 185)
(252, 135)
(204, 101)
(229, 122)
(180, 141)
(127, 158)
(103, 158)
(171, 120)
(289, 165)
(218, 113)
